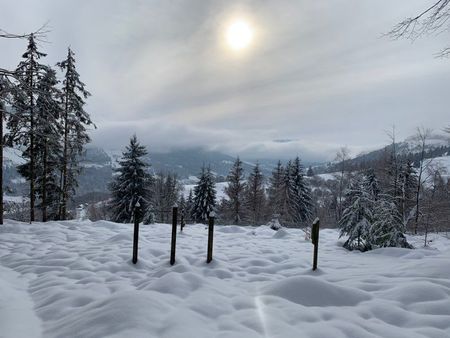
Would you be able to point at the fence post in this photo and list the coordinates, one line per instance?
(210, 236)
(174, 234)
(315, 240)
(136, 217)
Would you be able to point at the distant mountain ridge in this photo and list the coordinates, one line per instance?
(437, 146)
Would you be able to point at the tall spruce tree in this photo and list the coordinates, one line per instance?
(300, 202)
(133, 184)
(275, 191)
(235, 191)
(204, 196)
(47, 145)
(75, 123)
(21, 123)
(189, 204)
(408, 184)
(6, 90)
(255, 197)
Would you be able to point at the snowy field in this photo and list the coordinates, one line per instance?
(74, 279)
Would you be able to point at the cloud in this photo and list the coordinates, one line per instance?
(319, 73)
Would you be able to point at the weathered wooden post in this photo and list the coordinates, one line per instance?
(210, 236)
(315, 240)
(136, 216)
(173, 243)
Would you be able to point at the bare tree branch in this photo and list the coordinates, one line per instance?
(40, 34)
(433, 20)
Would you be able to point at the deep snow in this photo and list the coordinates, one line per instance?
(75, 279)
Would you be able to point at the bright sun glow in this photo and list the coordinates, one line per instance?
(239, 35)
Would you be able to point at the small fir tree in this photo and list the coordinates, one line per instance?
(133, 184)
(357, 217)
(387, 229)
(204, 200)
(276, 188)
(255, 197)
(235, 191)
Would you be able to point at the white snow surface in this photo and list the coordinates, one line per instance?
(76, 279)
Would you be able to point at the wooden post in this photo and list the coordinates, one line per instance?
(173, 243)
(136, 232)
(210, 237)
(315, 240)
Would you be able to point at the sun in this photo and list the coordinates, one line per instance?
(239, 35)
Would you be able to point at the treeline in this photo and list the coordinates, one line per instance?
(251, 199)
(372, 159)
(396, 194)
(47, 121)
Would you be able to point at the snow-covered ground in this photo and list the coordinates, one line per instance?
(75, 279)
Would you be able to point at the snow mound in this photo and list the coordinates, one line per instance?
(281, 233)
(313, 291)
(230, 229)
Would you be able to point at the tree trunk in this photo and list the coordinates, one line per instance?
(1, 162)
(44, 185)
(32, 194)
(63, 205)
(419, 183)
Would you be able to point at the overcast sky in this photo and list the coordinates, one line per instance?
(318, 74)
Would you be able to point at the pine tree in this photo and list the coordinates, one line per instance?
(235, 191)
(133, 183)
(371, 184)
(310, 172)
(300, 202)
(204, 200)
(166, 194)
(189, 204)
(275, 191)
(255, 197)
(357, 217)
(408, 183)
(172, 191)
(76, 121)
(387, 229)
(285, 200)
(48, 144)
(5, 93)
(22, 123)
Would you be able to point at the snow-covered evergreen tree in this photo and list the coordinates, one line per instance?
(189, 204)
(133, 184)
(408, 184)
(387, 229)
(166, 193)
(276, 196)
(300, 202)
(204, 196)
(48, 145)
(21, 123)
(255, 197)
(371, 184)
(235, 191)
(357, 218)
(75, 123)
